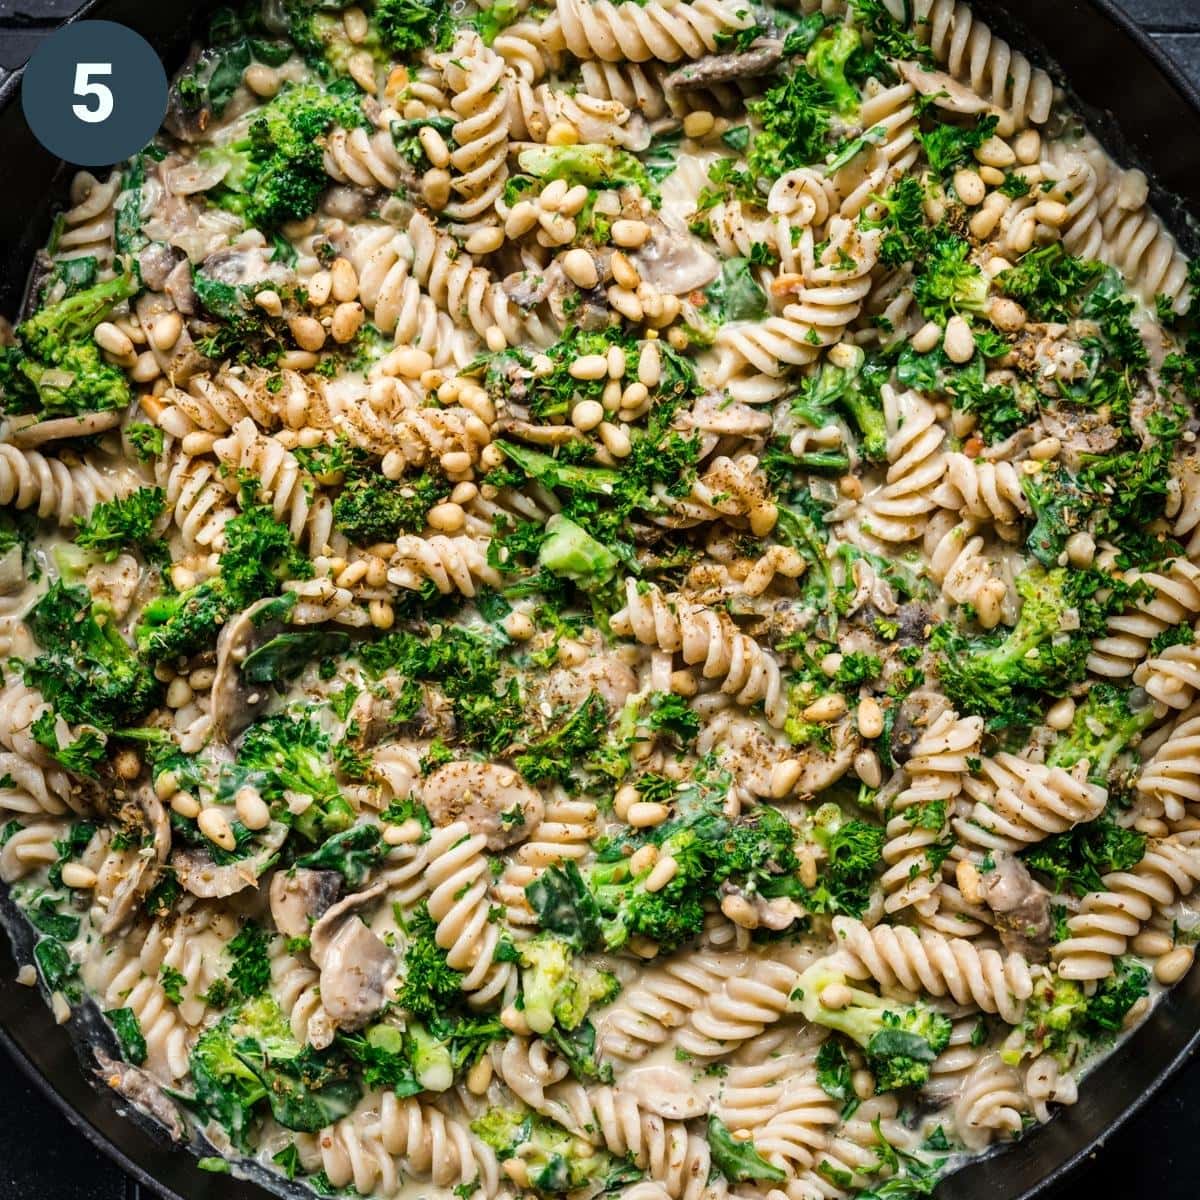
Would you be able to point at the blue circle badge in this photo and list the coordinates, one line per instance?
(94, 93)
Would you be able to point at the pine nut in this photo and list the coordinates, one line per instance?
(827, 708)
(966, 875)
(959, 342)
(343, 280)
(623, 271)
(447, 518)
(497, 343)
(76, 875)
(927, 337)
(643, 859)
(308, 332)
(1172, 967)
(616, 440)
(408, 362)
(699, 124)
(251, 808)
(625, 302)
(740, 911)
(995, 153)
(166, 330)
(1081, 549)
(186, 805)
(261, 80)
(867, 768)
(784, 777)
(645, 814)
(320, 288)
(479, 1077)
(347, 320)
(109, 337)
(580, 268)
(650, 366)
(485, 241)
(870, 717)
(835, 996)
(970, 187)
(630, 234)
(586, 415)
(268, 300)
(1028, 147)
(664, 871)
(435, 187)
(213, 823)
(434, 146)
(1052, 213)
(1061, 714)
(562, 133)
(589, 366)
(1006, 314)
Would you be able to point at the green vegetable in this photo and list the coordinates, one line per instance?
(55, 369)
(948, 283)
(1078, 860)
(83, 756)
(794, 117)
(372, 508)
(275, 173)
(736, 295)
(853, 855)
(285, 656)
(828, 59)
(284, 754)
(595, 166)
(123, 524)
(259, 554)
(86, 670)
(572, 553)
(408, 25)
(846, 388)
(129, 1033)
(948, 147)
(557, 1161)
(555, 989)
(739, 1161)
(900, 1040)
(351, 853)
(1103, 725)
(553, 756)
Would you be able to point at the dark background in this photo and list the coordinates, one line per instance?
(1155, 1153)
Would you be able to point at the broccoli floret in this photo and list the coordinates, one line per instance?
(1077, 860)
(902, 217)
(592, 164)
(432, 1063)
(900, 1040)
(408, 25)
(1046, 652)
(1104, 724)
(259, 555)
(555, 1161)
(559, 752)
(121, 524)
(86, 670)
(557, 990)
(275, 173)
(372, 508)
(430, 983)
(56, 368)
(1049, 282)
(827, 61)
(948, 283)
(574, 554)
(753, 854)
(853, 853)
(842, 385)
(293, 755)
(1063, 1020)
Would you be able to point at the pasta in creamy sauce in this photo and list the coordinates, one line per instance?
(601, 599)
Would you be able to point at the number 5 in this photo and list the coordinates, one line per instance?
(84, 86)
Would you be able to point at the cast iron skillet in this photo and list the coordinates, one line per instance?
(1148, 113)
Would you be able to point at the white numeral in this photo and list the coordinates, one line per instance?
(86, 86)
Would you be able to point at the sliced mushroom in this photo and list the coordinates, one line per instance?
(355, 964)
(300, 897)
(178, 285)
(760, 59)
(241, 265)
(666, 1091)
(200, 875)
(493, 799)
(59, 428)
(146, 869)
(142, 1091)
(12, 571)
(232, 702)
(1021, 906)
(156, 262)
(944, 90)
(606, 674)
(674, 261)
